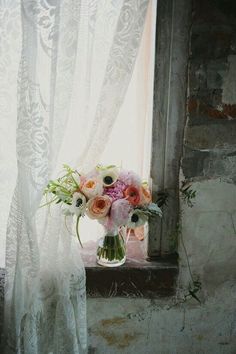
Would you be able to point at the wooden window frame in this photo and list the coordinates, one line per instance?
(169, 117)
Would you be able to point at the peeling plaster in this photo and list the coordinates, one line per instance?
(115, 321)
(112, 331)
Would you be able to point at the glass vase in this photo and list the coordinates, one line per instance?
(111, 251)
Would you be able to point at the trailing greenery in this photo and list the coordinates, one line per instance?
(188, 195)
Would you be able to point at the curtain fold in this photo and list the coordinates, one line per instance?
(118, 72)
(43, 280)
(60, 85)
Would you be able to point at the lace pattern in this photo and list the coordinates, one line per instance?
(45, 293)
(33, 314)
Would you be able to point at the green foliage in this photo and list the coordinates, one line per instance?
(188, 195)
(162, 198)
(195, 285)
(62, 188)
(151, 209)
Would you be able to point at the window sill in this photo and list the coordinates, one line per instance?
(137, 278)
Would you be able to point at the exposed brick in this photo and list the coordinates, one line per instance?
(193, 105)
(210, 135)
(222, 111)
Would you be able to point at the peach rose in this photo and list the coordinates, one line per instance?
(98, 207)
(146, 196)
(92, 187)
(132, 195)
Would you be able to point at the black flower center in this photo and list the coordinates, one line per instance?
(134, 218)
(108, 180)
(79, 201)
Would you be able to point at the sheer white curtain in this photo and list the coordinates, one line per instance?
(130, 140)
(59, 85)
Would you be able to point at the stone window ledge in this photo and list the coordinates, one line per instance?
(138, 277)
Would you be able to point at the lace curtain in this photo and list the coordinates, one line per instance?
(76, 61)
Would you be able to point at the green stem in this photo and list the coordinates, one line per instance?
(74, 181)
(57, 184)
(113, 248)
(77, 230)
(186, 254)
(48, 203)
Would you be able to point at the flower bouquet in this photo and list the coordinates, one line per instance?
(116, 198)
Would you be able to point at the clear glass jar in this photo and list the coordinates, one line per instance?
(111, 251)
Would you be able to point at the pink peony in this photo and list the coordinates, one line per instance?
(130, 178)
(116, 191)
(120, 210)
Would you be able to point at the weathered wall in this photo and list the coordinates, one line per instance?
(208, 229)
(167, 326)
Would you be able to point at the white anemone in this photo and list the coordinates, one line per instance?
(136, 218)
(78, 204)
(109, 175)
